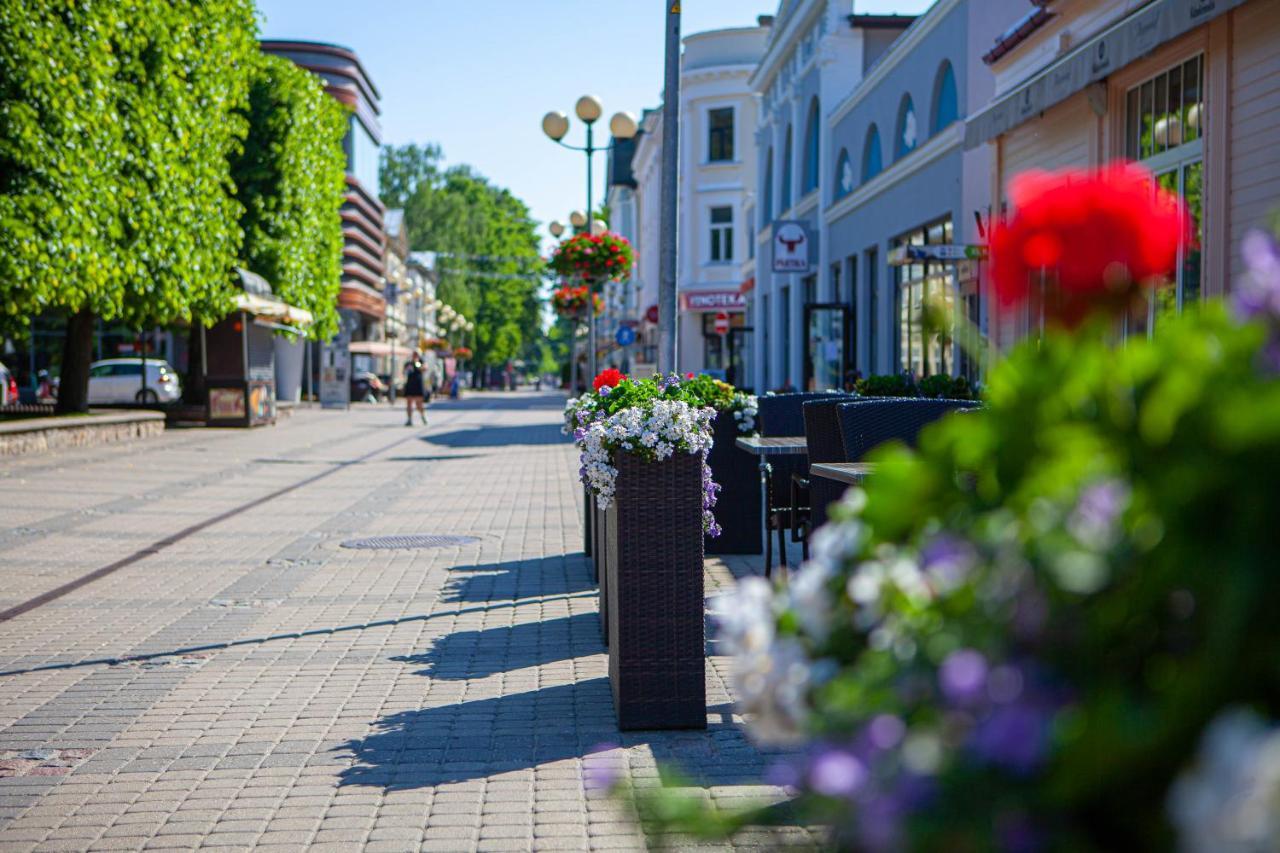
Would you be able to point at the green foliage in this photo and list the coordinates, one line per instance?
(1050, 600)
(117, 121)
(886, 385)
(897, 385)
(290, 178)
(458, 212)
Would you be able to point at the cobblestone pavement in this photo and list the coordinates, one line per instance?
(236, 678)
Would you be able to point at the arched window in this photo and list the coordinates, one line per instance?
(904, 141)
(872, 156)
(788, 166)
(766, 207)
(946, 101)
(845, 179)
(811, 149)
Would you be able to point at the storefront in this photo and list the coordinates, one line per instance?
(1185, 88)
(713, 331)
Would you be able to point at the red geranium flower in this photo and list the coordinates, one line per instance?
(1091, 237)
(610, 376)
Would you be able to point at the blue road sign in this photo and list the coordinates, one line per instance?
(625, 336)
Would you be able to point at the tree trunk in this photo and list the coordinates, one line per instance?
(194, 392)
(77, 353)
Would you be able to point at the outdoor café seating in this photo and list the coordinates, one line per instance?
(783, 415)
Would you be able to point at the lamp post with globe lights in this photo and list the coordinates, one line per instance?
(556, 125)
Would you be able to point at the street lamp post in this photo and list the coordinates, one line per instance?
(622, 126)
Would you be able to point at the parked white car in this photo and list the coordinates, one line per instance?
(119, 380)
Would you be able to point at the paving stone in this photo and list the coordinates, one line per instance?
(290, 694)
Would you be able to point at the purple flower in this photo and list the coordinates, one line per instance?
(836, 773)
(886, 731)
(963, 676)
(1014, 736)
(1259, 293)
(599, 772)
(947, 558)
(604, 390)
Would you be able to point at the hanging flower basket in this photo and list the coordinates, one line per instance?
(462, 353)
(435, 344)
(593, 258)
(572, 301)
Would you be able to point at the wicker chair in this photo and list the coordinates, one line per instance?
(822, 435)
(783, 415)
(866, 424)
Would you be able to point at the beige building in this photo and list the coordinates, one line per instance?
(1188, 88)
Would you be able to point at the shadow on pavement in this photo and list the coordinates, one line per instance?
(484, 737)
(502, 400)
(479, 654)
(505, 436)
(528, 578)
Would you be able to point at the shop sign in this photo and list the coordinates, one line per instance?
(790, 247)
(942, 252)
(713, 300)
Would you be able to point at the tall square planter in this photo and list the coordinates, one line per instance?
(737, 509)
(655, 594)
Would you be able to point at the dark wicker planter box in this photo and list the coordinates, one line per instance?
(655, 594)
(737, 507)
(588, 510)
(597, 541)
(602, 578)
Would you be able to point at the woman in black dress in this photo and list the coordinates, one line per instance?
(413, 392)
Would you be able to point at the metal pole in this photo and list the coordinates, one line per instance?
(591, 285)
(670, 200)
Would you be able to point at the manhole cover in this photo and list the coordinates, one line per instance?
(393, 542)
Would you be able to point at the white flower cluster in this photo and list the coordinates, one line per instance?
(578, 411)
(773, 675)
(746, 409)
(654, 431)
(1229, 802)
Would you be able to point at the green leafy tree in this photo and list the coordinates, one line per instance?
(290, 179)
(489, 248)
(117, 121)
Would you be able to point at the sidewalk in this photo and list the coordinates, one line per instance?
(236, 678)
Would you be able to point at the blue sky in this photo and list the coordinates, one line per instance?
(476, 76)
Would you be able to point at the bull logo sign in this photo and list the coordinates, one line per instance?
(790, 247)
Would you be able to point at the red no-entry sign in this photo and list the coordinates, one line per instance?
(722, 323)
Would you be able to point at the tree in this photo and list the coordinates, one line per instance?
(117, 121)
(489, 260)
(290, 180)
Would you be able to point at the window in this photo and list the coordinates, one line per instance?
(720, 135)
(844, 175)
(766, 209)
(362, 156)
(1164, 131)
(812, 149)
(851, 273)
(764, 342)
(946, 101)
(872, 156)
(872, 257)
(721, 234)
(788, 166)
(917, 286)
(100, 370)
(836, 295)
(908, 133)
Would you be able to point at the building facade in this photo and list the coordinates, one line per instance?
(815, 56)
(900, 175)
(1188, 88)
(361, 302)
(717, 182)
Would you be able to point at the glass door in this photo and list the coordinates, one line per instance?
(826, 346)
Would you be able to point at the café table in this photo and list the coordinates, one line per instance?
(852, 473)
(763, 448)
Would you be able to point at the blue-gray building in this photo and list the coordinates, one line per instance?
(888, 169)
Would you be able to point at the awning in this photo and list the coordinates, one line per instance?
(1121, 44)
(273, 309)
(747, 286)
(380, 348)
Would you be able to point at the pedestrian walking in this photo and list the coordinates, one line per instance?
(414, 392)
